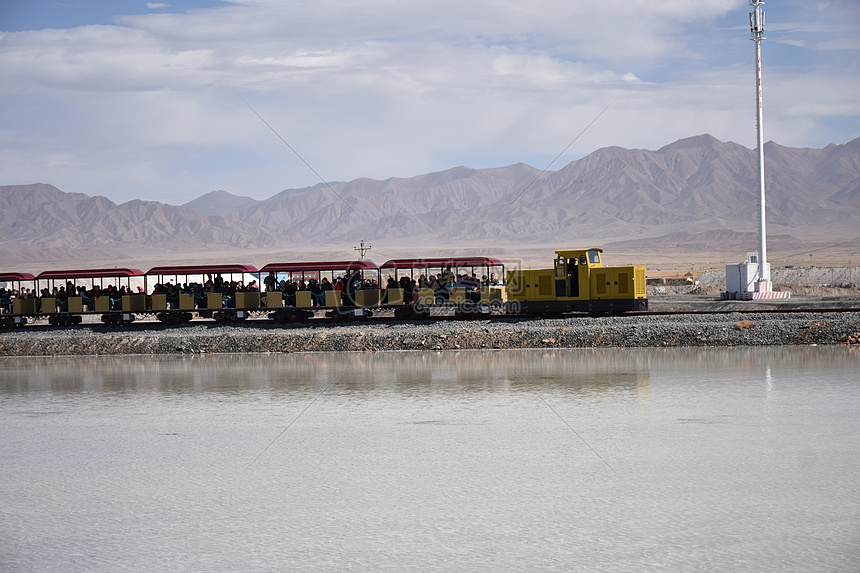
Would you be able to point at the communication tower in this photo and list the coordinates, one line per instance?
(757, 32)
(751, 279)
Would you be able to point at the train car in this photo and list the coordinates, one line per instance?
(174, 307)
(10, 308)
(577, 282)
(468, 285)
(340, 288)
(110, 302)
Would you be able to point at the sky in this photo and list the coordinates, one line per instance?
(167, 101)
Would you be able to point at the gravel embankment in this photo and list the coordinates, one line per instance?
(736, 329)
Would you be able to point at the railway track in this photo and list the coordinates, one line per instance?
(388, 318)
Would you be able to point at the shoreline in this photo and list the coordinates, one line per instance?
(655, 331)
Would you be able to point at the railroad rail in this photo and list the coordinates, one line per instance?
(322, 322)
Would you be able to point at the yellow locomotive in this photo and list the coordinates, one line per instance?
(578, 282)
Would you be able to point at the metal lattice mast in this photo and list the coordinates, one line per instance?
(757, 31)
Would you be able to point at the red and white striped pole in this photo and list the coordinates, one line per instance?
(757, 31)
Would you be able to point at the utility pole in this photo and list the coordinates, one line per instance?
(362, 250)
(757, 32)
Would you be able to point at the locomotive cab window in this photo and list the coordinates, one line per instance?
(594, 257)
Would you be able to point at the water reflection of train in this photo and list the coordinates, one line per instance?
(577, 281)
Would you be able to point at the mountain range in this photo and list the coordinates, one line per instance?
(696, 191)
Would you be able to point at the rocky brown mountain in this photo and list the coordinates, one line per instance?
(697, 188)
(40, 215)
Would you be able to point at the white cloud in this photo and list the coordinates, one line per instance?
(156, 5)
(378, 88)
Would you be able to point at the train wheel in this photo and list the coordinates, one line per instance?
(113, 319)
(222, 317)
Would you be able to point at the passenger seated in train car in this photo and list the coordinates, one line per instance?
(390, 283)
(156, 289)
(410, 294)
(290, 290)
(270, 283)
(63, 299)
(87, 299)
(352, 284)
(316, 292)
(469, 282)
(172, 296)
(406, 285)
(115, 297)
(340, 286)
(440, 291)
(200, 298)
(433, 283)
(229, 296)
(472, 285)
(43, 294)
(450, 282)
(5, 301)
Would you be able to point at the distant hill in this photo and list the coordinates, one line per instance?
(690, 192)
(692, 185)
(41, 215)
(220, 203)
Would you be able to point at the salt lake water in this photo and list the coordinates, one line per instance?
(569, 460)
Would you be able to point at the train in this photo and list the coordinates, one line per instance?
(409, 288)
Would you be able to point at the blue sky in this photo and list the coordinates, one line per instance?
(148, 99)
